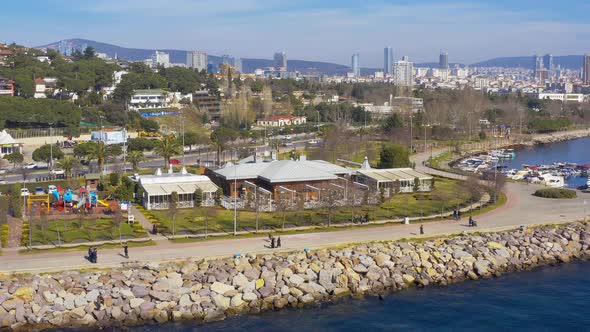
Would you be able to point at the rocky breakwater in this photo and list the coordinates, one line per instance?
(560, 137)
(212, 290)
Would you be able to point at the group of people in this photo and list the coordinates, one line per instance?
(360, 219)
(272, 241)
(457, 214)
(93, 254)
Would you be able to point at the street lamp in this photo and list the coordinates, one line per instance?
(50, 150)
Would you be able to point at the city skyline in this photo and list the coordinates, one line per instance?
(371, 24)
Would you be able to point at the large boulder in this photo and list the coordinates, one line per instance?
(220, 288)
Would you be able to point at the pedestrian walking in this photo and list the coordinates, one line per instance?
(272, 242)
(455, 214)
(90, 254)
(366, 217)
(279, 242)
(421, 229)
(155, 229)
(126, 250)
(459, 214)
(95, 255)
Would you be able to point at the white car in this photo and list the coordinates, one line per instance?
(30, 166)
(57, 172)
(24, 192)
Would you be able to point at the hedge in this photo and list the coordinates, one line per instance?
(555, 193)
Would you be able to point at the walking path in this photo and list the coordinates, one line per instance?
(521, 209)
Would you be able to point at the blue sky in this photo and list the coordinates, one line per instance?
(325, 30)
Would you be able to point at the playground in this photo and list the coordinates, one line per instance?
(61, 201)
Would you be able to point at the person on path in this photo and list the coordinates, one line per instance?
(90, 254)
(455, 214)
(155, 229)
(366, 218)
(272, 242)
(279, 242)
(458, 214)
(95, 255)
(421, 229)
(126, 250)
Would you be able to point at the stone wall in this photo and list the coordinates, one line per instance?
(211, 290)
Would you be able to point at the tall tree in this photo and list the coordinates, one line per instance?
(68, 164)
(135, 158)
(392, 156)
(167, 147)
(14, 158)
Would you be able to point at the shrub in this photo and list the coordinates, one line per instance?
(4, 235)
(555, 193)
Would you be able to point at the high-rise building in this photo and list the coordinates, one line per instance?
(388, 61)
(443, 60)
(280, 59)
(161, 59)
(538, 63)
(586, 69)
(403, 72)
(225, 59)
(238, 64)
(356, 68)
(196, 60)
(548, 62)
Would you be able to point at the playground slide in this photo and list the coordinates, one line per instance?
(103, 203)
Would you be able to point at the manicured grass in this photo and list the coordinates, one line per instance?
(447, 194)
(101, 229)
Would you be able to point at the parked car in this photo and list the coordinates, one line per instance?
(313, 142)
(175, 162)
(3, 182)
(39, 191)
(31, 166)
(57, 172)
(3, 170)
(24, 192)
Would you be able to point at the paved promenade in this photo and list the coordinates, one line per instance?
(521, 208)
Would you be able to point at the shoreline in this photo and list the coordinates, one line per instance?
(209, 290)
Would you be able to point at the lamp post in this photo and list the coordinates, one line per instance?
(50, 150)
(236, 200)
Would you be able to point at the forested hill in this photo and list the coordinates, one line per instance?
(566, 61)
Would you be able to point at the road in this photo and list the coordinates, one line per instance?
(521, 209)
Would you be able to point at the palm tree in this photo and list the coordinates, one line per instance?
(167, 147)
(135, 158)
(68, 164)
(102, 153)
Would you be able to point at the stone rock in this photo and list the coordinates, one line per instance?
(140, 291)
(49, 296)
(325, 279)
(259, 283)
(360, 269)
(185, 301)
(460, 254)
(265, 291)
(307, 298)
(340, 291)
(24, 293)
(161, 296)
(280, 302)
(92, 296)
(236, 301)
(296, 280)
(222, 302)
(220, 288)
(408, 279)
(136, 302)
(174, 280)
(239, 280)
(381, 259)
(249, 296)
(79, 312)
(481, 267)
(12, 304)
(494, 245)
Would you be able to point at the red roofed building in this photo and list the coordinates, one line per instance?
(281, 121)
(6, 87)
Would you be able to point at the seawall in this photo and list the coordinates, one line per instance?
(207, 290)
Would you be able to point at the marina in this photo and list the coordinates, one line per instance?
(563, 164)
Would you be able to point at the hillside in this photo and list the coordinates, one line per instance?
(566, 61)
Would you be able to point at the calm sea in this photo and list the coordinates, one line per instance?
(546, 299)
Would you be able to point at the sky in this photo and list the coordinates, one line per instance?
(320, 30)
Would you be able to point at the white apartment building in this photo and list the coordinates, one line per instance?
(196, 60)
(403, 72)
(567, 97)
(156, 98)
(161, 59)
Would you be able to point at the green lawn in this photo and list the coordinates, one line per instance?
(193, 221)
(70, 231)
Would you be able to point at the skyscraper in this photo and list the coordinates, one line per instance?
(586, 69)
(538, 65)
(196, 60)
(404, 72)
(238, 64)
(388, 61)
(280, 61)
(356, 68)
(548, 64)
(225, 59)
(443, 60)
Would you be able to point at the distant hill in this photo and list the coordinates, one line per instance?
(179, 56)
(566, 61)
(304, 66)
